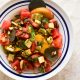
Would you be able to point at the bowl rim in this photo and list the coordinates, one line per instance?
(65, 61)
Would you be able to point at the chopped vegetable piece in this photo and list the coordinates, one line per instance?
(35, 56)
(33, 46)
(59, 53)
(10, 57)
(39, 43)
(4, 40)
(47, 68)
(28, 52)
(28, 43)
(41, 59)
(57, 43)
(37, 21)
(46, 26)
(43, 31)
(32, 38)
(34, 24)
(52, 20)
(49, 39)
(9, 48)
(24, 14)
(24, 36)
(16, 24)
(39, 38)
(6, 24)
(29, 29)
(38, 48)
(51, 25)
(44, 46)
(17, 49)
(37, 16)
(45, 20)
(55, 33)
(21, 64)
(41, 69)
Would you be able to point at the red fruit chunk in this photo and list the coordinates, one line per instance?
(33, 47)
(55, 33)
(6, 24)
(24, 14)
(57, 43)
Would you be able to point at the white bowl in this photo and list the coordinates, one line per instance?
(13, 7)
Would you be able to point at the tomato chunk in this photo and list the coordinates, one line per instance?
(57, 43)
(36, 55)
(46, 26)
(59, 53)
(18, 32)
(24, 36)
(33, 47)
(55, 33)
(6, 24)
(52, 20)
(24, 14)
(37, 64)
(4, 40)
(48, 66)
(35, 25)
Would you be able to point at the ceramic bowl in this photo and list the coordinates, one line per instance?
(12, 8)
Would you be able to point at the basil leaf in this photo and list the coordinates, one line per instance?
(12, 35)
(48, 53)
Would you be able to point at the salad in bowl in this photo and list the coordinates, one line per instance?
(31, 40)
(35, 38)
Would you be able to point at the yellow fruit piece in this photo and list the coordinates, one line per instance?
(46, 12)
(44, 46)
(17, 49)
(39, 38)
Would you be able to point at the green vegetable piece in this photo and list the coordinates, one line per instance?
(28, 43)
(32, 34)
(51, 54)
(37, 16)
(21, 44)
(39, 43)
(28, 52)
(41, 69)
(10, 48)
(38, 48)
(42, 31)
(29, 29)
(45, 20)
(10, 57)
(49, 39)
(48, 31)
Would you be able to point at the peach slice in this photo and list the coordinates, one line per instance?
(45, 11)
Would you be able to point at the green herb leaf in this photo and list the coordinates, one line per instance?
(45, 20)
(12, 35)
(41, 69)
(48, 53)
